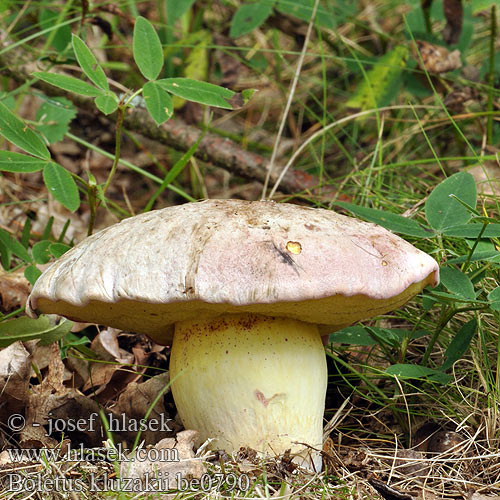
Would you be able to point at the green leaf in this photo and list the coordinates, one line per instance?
(403, 370)
(17, 162)
(486, 255)
(177, 8)
(381, 83)
(196, 64)
(26, 233)
(88, 63)
(106, 104)
(5, 256)
(473, 231)
(250, 16)
(303, 9)
(158, 102)
(58, 249)
(62, 36)
(14, 246)
(444, 212)
(56, 333)
(494, 298)
(17, 132)
(457, 282)
(73, 341)
(25, 329)
(460, 343)
(359, 335)
(53, 118)
(32, 273)
(148, 53)
(202, 92)
(40, 251)
(247, 94)
(69, 83)
(393, 222)
(61, 185)
(449, 298)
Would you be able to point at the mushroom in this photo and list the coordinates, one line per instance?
(246, 289)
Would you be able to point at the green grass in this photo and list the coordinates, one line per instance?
(390, 159)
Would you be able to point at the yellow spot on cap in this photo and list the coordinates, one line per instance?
(384, 263)
(294, 247)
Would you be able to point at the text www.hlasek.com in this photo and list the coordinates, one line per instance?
(93, 454)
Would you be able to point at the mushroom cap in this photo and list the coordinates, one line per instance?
(200, 260)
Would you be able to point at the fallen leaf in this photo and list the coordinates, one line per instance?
(410, 463)
(15, 368)
(40, 404)
(14, 290)
(479, 496)
(106, 346)
(459, 97)
(435, 58)
(136, 401)
(181, 463)
(487, 177)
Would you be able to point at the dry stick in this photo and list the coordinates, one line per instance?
(290, 99)
(221, 152)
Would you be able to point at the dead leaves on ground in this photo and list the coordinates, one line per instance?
(43, 389)
(187, 467)
(436, 58)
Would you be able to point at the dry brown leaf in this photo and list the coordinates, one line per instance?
(79, 368)
(99, 376)
(135, 402)
(479, 496)
(15, 368)
(459, 97)
(106, 346)
(14, 290)
(40, 404)
(187, 467)
(436, 59)
(108, 379)
(487, 177)
(425, 494)
(41, 354)
(410, 463)
(51, 401)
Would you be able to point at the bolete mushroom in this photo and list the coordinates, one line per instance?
(248, 288)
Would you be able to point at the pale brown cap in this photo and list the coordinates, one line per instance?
(229, 256)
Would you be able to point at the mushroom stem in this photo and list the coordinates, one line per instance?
(251, 381)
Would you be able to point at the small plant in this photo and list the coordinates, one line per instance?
(148, 55)
(450, 213)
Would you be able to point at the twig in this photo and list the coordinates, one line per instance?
(219, 151)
